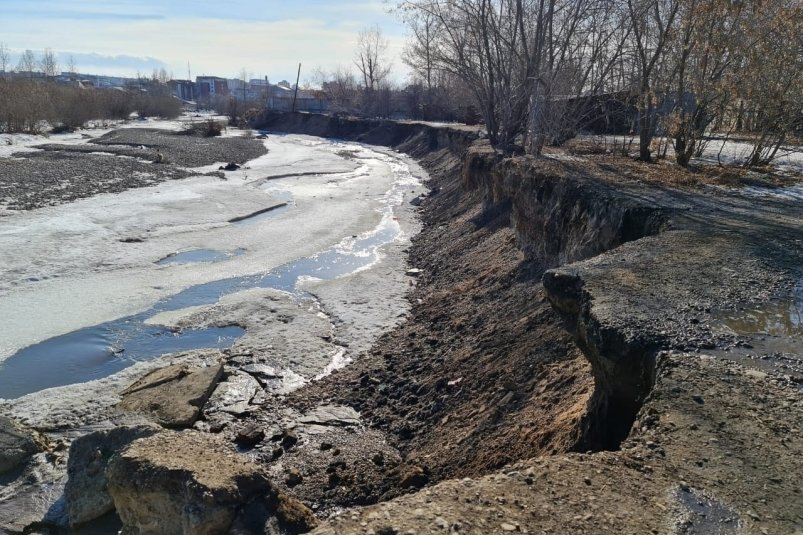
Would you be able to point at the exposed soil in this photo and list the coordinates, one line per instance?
(44, 179)
(459, 376)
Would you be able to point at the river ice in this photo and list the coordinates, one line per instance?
(75, 265)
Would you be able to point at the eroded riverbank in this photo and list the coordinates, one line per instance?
(641, 278)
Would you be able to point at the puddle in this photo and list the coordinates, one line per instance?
(771, 336)
(100, 351)
(198, 255)
(777, 318)
(700, 514)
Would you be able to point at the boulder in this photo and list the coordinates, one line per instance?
(172, 396)
(194, 483)
(17, 444)
(86, 493)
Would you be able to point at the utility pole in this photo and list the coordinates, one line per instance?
(295, 95)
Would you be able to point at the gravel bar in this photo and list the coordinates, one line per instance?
(64, 173)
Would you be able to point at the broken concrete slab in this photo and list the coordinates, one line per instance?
(172, 396)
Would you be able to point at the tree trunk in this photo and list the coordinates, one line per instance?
(645, 126)
(537, 118)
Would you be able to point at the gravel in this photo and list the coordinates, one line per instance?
(64, 173)
(46, 179)
(181, 149)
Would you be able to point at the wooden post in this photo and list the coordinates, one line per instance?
(295, 94)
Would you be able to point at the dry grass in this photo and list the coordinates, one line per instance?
(598, 158)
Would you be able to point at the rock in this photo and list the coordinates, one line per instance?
(194, 483)
(172, 396)
(250, 435)
(756, 374)
(278, 514)
(331, 415)
(508, 527)
(416, 201)
(231, 166)
(294, 477)
(234, 395)
(325, 446)
(85, 493)
(414, 477)
(289, 439)
(414, 272)
(17, 444)
(262, 373)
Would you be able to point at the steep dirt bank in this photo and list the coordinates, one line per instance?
(483, 373)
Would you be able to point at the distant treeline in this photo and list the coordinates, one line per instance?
(32, 106)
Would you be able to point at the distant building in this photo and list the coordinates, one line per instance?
(280, 98)
(277, 97)
(183, 89)
(211, 86)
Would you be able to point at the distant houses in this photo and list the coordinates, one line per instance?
(260, 92)
(204, 90)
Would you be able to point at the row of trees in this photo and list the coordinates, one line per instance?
(366, 87)
(688, 66)
(46, 63)
(31, 106)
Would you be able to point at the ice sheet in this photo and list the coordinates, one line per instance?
(79, 264)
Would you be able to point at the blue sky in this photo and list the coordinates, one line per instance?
(221, 37)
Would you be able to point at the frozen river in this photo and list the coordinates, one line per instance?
(81, 282)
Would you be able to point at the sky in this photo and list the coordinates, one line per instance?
(217, 37)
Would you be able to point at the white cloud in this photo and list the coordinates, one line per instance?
(221, 47)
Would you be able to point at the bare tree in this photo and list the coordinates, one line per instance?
(370, 57)
(48, 63)
(772, 75)
(652, 22)
(71, 66)
(703, 54)
(27, 62)
(420, 52)
(5, 57)
(340, 87)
